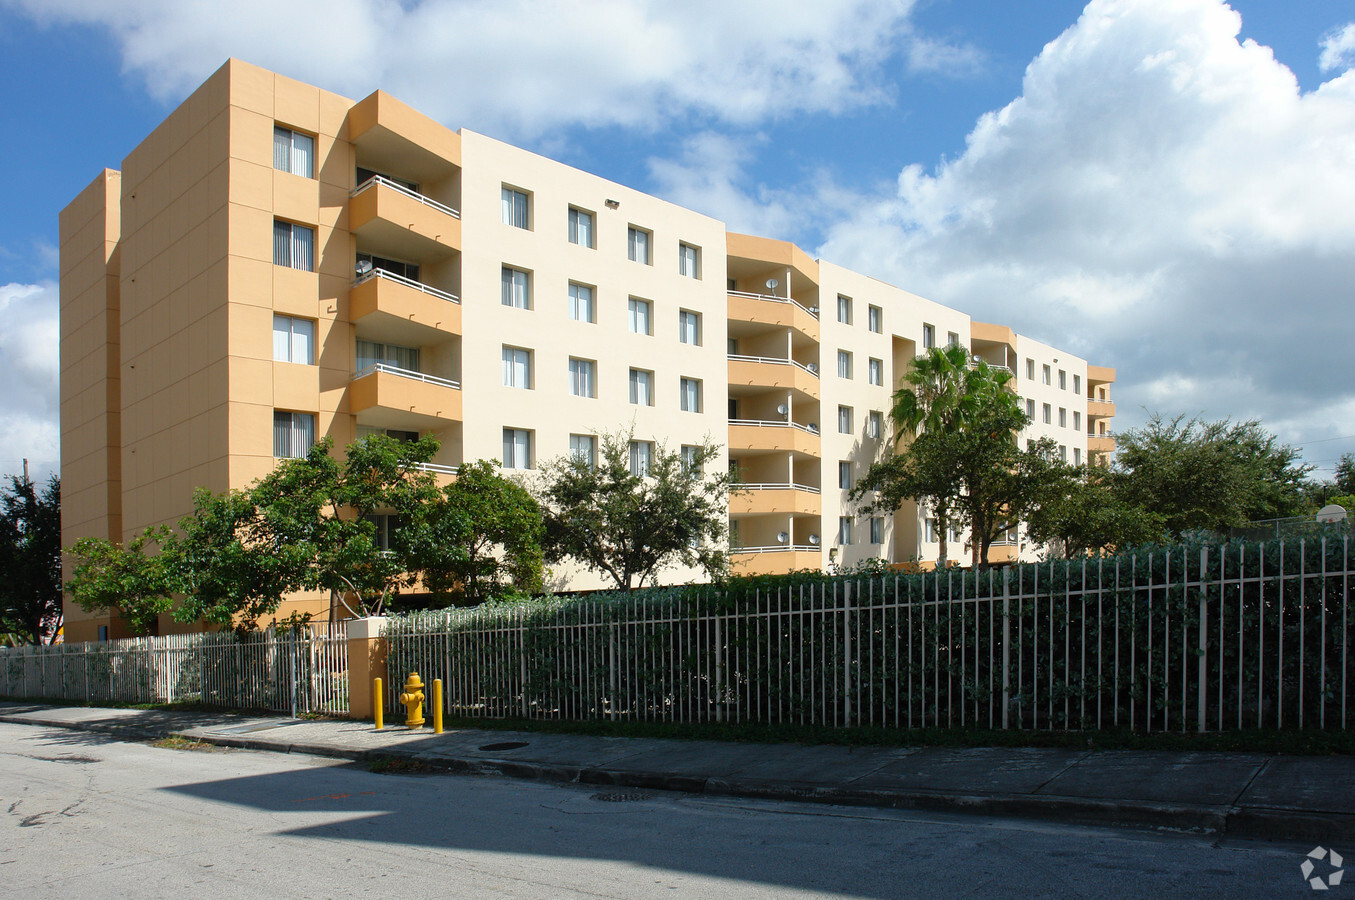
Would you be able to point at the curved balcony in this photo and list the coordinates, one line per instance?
(768, 499)
(763, 309)
(1100, 443)
(775, 560)
(771, 435)
(398, 310)
(394, 221)
(773, 372)
(391, 397)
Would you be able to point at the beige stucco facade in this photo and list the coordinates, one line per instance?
(466, 265)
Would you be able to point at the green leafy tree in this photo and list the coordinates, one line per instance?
(1078, 511)
(30, 560)
(129, 581)
(1345, 475)
(1208, 475)
(629, 526)
(479, 539)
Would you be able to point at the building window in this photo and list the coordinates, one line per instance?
(293, 434)
(875, 319)
(404, 437)
(689, 261)
(1077, 421)
(293, 152)
(1063, 380)
(293, 246)
(877, 530)
(581, 377)
(1030, 370)
(844, 420)
(1063, 417)
(581, 303)
(1077, 385)
(1047, 412)
(517, 368)
(1030, 409)
(689, 327)
(366, 262)
(1077, 456)
(952, 339)
(386, 525)
(516, 288)
(584, 448)
(928, 336)
(691, 455)
(517, 448)
(515, 208)
(932, 534)
(844, 309)
(955, 534)
(371, 353)
(844, 475)
(637, 244)
(293, 340)
(1046, 375)
(641, 387)
(639, 311)
(844, 364)
(875, 424)
(875, 371)
(580, 227)
(1063, 452)
(844, 530)
(641, 457)
(689, 390)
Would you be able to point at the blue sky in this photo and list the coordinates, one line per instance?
(1154, 190)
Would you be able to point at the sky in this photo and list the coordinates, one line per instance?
(1166, 187)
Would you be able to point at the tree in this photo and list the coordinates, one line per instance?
(30, 559)
(1208, 475)
(479, 539)
(628, 526)
(1345, 474)
(136, 583)
(1080, 512)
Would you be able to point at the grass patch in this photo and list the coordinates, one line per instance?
(400, 765)
(179, 742)
(1301, 743)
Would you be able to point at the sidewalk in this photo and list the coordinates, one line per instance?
(1285, 798)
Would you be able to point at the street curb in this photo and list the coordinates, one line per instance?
(1244, 822)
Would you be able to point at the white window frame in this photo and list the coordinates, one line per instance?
(689, 394)
(689, 455)
(844, 531)
(928, 336)
(1077, 421)
(515, 288)
(517, 448)
(517, 367)
(1063, 417)
(1047, 374)
(641, 458)
(293, 151)
(689, 261)
(875, 371)
(582, 307)
(300, 431)
(1077, 385)
(1048, 413)
(1030, 369)
(579, 232)
(1063, 379)
(844, 364)
(582, 377)
(641, 387)
(877, 530)
(584, 447)
(875, 424)
(844, 418)
(844, 309)
(293, 340)
(844, 474)
(516, 207)
(297, 249)
(638, 308)
(640, 245)
(689, 327)
(875, 319)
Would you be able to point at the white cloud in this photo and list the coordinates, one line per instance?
(1338, 49)
(1161, 198)
(29, 405)
(526, 66)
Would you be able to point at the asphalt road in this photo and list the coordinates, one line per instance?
(90, 816)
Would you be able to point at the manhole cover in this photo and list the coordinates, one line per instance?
(621, 796)
(505, 745)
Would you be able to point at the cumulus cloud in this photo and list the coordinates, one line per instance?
(29, 404)
(1338, 49)
(526, 66)
(1161, 198)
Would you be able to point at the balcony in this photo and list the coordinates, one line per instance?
(1100, 443)
(1100, 409)
(772, 372)
(390, 397)
(769, 499)
(773, 435)
(392, 220)
(763, 309)
(398, 310)
(775, 560)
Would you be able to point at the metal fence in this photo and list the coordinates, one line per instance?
(285, 670)
(1221, 638)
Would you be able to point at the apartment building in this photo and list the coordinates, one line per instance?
(275, 263)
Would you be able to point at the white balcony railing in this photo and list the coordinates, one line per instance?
(776, 361)
(777, 548)
(776, 423)
(774, 486)
(400, 188)
(407, 282)
(406, 373)
(437, 468)
(812, 310)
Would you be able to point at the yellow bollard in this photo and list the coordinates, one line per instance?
(378, 702)
(437, 706)
(412, 699)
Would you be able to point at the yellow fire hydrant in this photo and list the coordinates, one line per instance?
(412, 699)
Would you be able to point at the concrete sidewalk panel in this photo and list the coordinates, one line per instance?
(976, 770)
(1199, 779)
(1319, 783)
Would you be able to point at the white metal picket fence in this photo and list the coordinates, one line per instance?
(283, 670)
(1244, 636)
